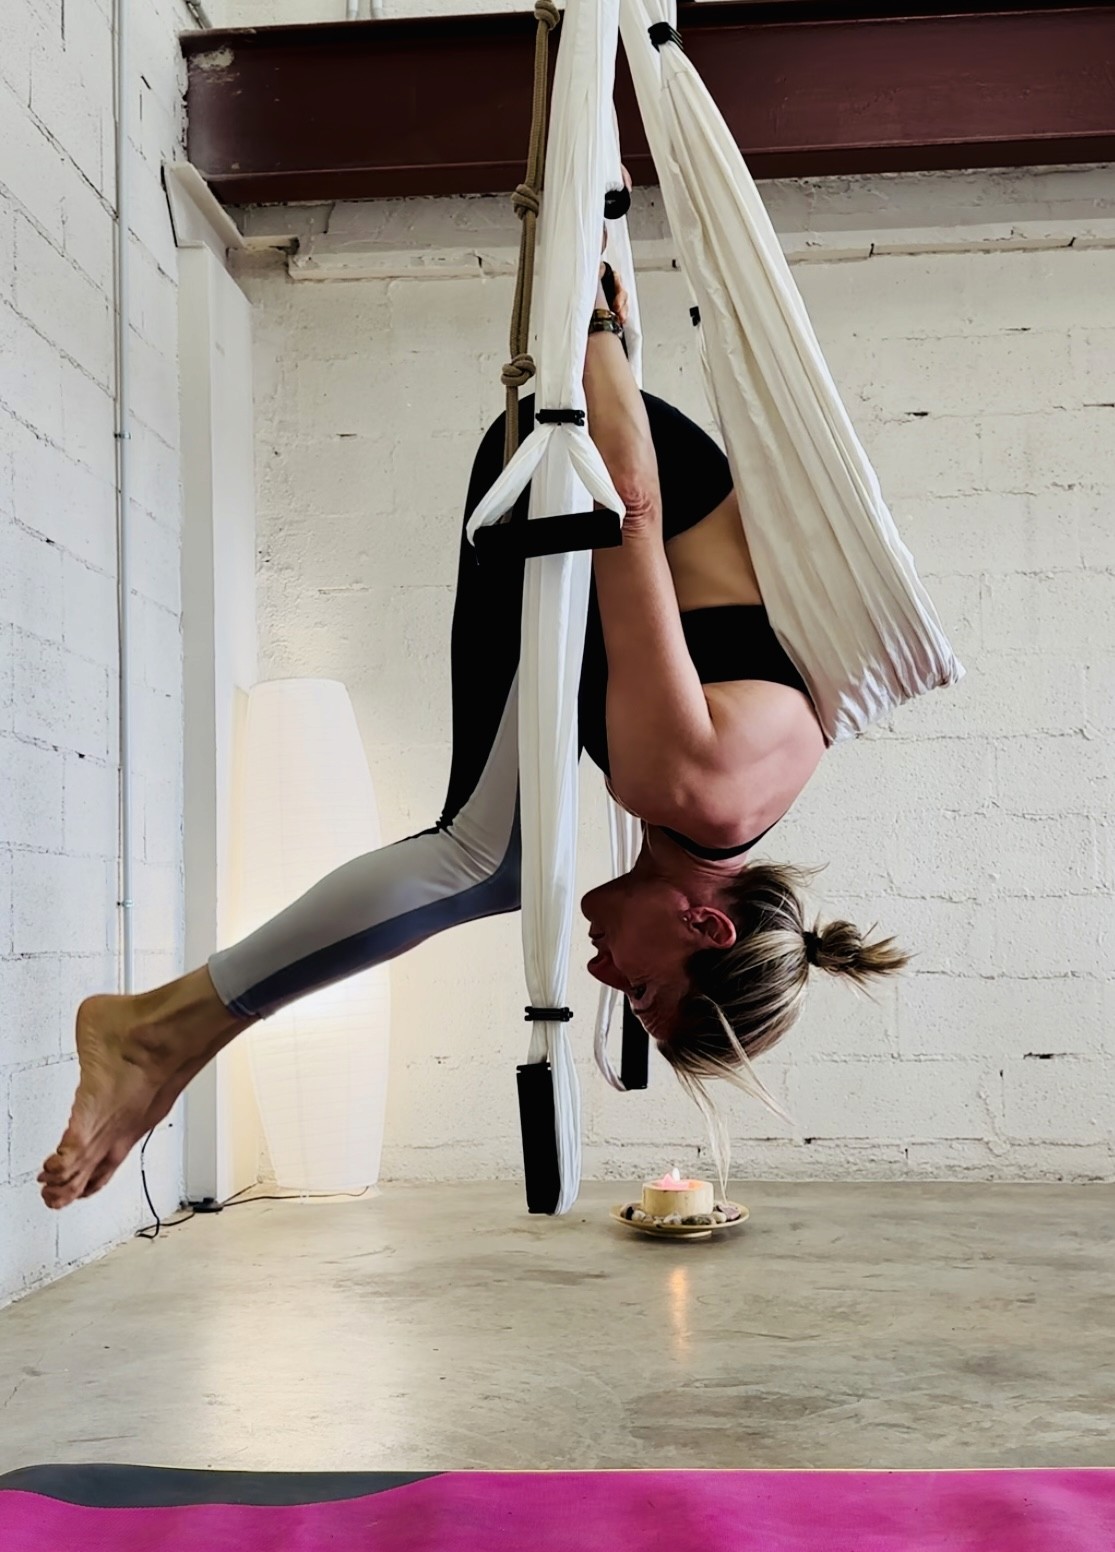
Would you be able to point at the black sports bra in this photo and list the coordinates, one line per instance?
(729, 642)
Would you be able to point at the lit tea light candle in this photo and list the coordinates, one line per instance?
(673, 1195)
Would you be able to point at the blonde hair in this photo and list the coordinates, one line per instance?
(745, 998)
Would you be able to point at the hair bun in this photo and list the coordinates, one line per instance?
(842, 949)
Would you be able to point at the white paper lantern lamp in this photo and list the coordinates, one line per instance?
(307, 806)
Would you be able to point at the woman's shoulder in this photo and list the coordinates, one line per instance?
(768, 745)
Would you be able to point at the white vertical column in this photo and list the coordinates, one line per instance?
(219, 642)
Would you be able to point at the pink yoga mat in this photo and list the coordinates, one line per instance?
(654, 1511)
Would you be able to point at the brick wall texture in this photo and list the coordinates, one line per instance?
(58, 635)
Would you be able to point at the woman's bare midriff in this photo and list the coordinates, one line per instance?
(711, 564)
(711, 567)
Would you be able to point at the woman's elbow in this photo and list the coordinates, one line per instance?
(641, 499)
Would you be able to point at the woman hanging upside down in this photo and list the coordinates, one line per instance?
(699, 721)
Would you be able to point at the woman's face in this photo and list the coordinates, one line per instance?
(644, 928)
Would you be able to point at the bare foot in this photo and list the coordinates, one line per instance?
(134, 1063)
(121, 1094)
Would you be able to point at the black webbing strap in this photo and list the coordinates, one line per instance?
(560, 417)
(548, 1015)
(541, 1170)
(662, 33)
(597, 530)
(634, 1052)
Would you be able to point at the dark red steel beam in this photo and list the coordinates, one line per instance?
(354, 110)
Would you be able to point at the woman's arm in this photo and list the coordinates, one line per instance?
(661, 736)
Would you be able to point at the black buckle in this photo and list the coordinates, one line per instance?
(662, 33)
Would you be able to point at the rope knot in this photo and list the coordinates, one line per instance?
(518, 371)
(526, 201)
(546, 12)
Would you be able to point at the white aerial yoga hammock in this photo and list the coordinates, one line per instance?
(839, 585)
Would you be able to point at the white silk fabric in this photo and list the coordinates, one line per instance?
(838, 583)
(566, 474)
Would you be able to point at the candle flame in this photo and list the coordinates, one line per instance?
(672, 1182)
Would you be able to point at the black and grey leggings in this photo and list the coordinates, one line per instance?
(466, 867)
(390, 900)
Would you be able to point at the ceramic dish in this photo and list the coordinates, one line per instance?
(679, 1230)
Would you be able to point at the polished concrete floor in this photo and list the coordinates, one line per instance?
(845, 1326)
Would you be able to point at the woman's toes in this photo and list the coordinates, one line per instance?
(60, 1168)
(105, 1171)
(99, 1177)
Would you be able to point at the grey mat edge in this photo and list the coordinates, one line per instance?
(111, 1486)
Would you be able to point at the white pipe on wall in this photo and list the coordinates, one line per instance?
(123, 424)
(122, 298)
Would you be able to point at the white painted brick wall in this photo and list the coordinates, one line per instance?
(266, 13)
(60, 301)
(978, 829)
(893, 1100)
(61, 699)
(35, 1096)
(58, 653)
(1000, 1016)
(1075, 1108)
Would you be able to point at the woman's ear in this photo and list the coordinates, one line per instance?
(714, 928)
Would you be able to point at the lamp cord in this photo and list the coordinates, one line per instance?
(239, 1199)
(152, 1231)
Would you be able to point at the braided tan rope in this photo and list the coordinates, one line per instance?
(526, 202)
